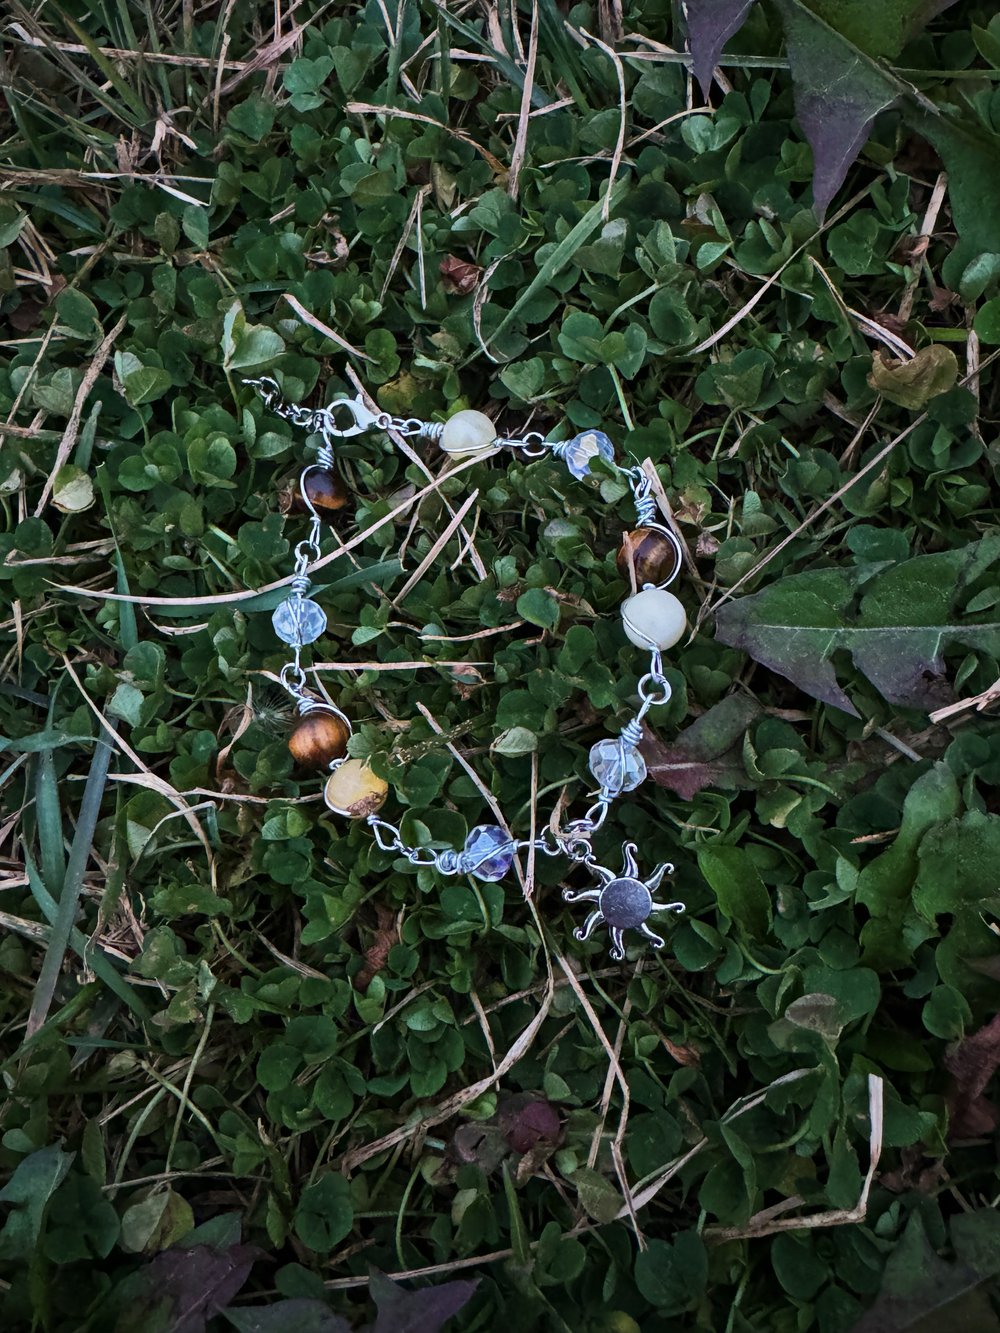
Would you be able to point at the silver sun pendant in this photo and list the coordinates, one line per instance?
(624, 902)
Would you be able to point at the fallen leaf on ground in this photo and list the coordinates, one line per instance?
(896, 633)
(972, 1063)
(706, 754)
(423, 1311)
(914, 383)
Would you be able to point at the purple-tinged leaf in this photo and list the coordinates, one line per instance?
(838, 93)
(896, 634)
(181, 1289)
(707, 753)
(298, 1315)
(710, 24)
(423, 1311)
(526, 1121)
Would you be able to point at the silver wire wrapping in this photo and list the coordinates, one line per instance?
(647, 516)
(346, 417)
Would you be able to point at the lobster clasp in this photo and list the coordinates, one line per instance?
(357, 418)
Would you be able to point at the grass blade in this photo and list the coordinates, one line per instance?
(65, 908)
(476, 39)
(48, 817)
(561, 254)
(88, 953)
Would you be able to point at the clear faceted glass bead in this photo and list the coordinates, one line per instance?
(580, 451)
(298, 620)
(616, 766)
(490, 846)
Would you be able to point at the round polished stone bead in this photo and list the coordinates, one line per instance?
(319, 738)
(488, 854)
(352, 789)
(468, 432)
(299, 620)
(654, 618)
(616, 766)
(324, 490)
(650, 553)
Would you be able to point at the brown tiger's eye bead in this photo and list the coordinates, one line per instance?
(318, 739)
(353, 789)
(650, 553)
(325, 490)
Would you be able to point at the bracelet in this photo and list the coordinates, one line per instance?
(652, 617)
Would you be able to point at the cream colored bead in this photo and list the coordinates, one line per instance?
(467, 432)
(353, 789)
(654, 618)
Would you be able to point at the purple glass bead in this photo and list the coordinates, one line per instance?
(488, 853)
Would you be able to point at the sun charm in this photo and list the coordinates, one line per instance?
(624, 902)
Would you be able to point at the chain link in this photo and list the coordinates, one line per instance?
(653, 688)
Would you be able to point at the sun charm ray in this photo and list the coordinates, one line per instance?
(624, 902)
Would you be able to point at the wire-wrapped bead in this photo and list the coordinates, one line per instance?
(324, 491)
(468, 432)
(352, 789)
(319, 738)
(650, 553)
(654, 618)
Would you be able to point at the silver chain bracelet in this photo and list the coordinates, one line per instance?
(652, 617)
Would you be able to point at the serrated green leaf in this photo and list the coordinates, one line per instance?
(896, 637)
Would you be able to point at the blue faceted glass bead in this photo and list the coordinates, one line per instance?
(488, 854)
(299, 620)
(616, 766)
(583, 448)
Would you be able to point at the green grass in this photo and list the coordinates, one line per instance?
(249, 1058)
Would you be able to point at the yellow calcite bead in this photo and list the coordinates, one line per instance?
(354, 790)
(468, 432)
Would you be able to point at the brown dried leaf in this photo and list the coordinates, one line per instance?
(27, 316)
(886, 320)
(459, 276)
(377, 952)
(684, 1055)
(972, 1062)
(915, 1172)
(941, 299)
